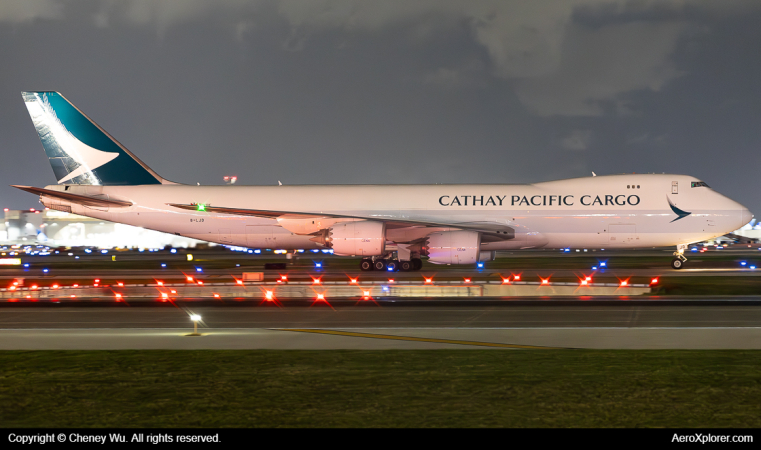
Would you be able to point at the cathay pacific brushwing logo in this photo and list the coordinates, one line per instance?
(58, 136)
(681, 214)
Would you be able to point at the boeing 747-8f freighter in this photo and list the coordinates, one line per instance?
(390, 227)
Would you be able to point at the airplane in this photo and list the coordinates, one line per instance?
(391, 227)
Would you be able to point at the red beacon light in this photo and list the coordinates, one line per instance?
(200, 283)
(584, 282)
(654, 281)
(118, 296)
(353, 280)
(545, 281)
(160, 283)
(239, 281)
(517, 277)
(190, 279)
(429, 281)
(55, 286)
(120, 284)
(269, 295)
(316, 281)
(321, 297)
(283, 278)
(390, 280)
(624, 283)
(467, 280)
(505, 280)
(216, 295)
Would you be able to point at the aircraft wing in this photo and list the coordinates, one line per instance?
(493, 229)
(75, 198)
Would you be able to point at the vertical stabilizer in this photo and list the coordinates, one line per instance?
(80, 151)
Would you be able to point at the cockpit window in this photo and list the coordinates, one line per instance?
(699, 184)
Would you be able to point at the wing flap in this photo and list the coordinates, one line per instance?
(75, 198)
(494, 229)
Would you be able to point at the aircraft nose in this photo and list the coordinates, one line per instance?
(745, 215)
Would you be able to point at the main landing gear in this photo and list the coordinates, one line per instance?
(679, 260)
(390, 265)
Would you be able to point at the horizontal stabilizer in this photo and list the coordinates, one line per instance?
(75, 198)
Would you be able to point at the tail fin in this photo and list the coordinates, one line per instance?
(79, 150)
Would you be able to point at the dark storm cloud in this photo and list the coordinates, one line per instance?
(359, 91)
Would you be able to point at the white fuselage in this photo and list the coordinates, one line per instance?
(617, 211)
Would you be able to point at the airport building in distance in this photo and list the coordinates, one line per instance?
(60, 229)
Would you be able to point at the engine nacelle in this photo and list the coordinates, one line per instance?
(365, 238)
(454, 247)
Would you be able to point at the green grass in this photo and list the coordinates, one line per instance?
(433, 388)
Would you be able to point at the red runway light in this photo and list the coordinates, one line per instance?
(75, 285)
(239, 281)
(160, 283)
(97, 280)
(584, 282)
(118, 296)
(506, 281)
(516, 277)
(216, 295)
(55, 286)
(353, 280)
(12, 288)
(73, 296)
(390, 280)
(654, 281)
(316, 280)
(164, 295)
(200, 282)
(190, 279)
(284, 277)
(624, 283)
(173, 291)
(320, 297)
(467, 280)
(268, 295)
(120, 284)
(15, 283)
(545, 281)
(428, 280)
(34, 286)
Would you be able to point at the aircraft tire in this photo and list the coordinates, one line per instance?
(366, 265)
(417, 264)
(379, 264)
(677, 263)
(406, 266)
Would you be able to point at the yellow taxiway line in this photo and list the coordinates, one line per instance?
(417, 339)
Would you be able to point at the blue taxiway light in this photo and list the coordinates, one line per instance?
(198, 269)
(594, 267)
(742, 263)
(257, 251)
(603, 264)
(251, 251)
(318, 265)
(753, 267)
(26, 265)
(174, 250)
(104, 251)
(45, 270)
(480, 265)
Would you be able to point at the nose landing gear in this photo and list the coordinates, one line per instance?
(678, 262)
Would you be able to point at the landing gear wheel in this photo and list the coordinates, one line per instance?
(677, 263)
(406, 266)
(379, 264)
(366, 265)
(392, 266)
(417, 264)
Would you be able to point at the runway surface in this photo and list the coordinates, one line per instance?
(370, 326)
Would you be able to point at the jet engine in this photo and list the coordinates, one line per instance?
(454, 247)
(364, 238)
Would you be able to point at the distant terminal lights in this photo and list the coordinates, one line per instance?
(230, 179)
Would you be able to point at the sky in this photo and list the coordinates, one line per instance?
(394, 91)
